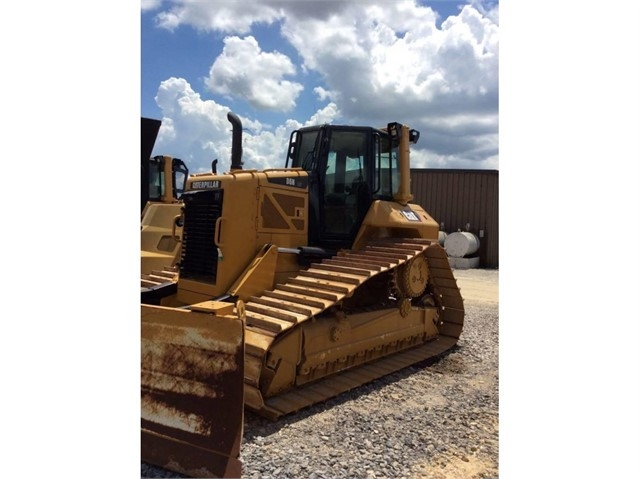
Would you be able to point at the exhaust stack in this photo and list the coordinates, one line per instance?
(404, 137)
(236, 146)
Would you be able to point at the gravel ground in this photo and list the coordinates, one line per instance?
(434, 420)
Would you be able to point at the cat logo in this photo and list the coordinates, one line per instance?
(205, 184)
(410, 215)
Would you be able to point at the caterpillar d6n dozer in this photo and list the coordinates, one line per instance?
(334, 275)
(163, 180)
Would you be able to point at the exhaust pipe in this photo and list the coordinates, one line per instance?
(236, 146)
(404, 137)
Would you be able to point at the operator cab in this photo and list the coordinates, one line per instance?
(157, 181)
(348, 167)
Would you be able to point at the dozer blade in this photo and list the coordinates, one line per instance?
(192, 389)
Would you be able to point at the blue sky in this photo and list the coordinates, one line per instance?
(280, 64)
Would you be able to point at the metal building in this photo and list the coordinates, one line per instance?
(462, 200)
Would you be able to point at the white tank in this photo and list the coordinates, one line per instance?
(442, 238)
(461, 243)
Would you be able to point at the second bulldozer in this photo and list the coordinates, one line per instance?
(336, 276)
(163, 180)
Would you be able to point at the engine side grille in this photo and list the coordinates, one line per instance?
(199, 253)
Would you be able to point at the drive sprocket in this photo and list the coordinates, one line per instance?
(411, 278)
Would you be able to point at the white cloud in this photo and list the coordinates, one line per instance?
(227, 17)
(377, 62)
(192, 129)
(198, 131)
(398, 52)
(243, 70)
(322, 93)
(150, 4)
(391, 60)
(328, 114)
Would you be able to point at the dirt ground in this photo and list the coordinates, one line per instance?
(478, 284)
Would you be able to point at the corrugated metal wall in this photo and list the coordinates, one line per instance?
(460, 197)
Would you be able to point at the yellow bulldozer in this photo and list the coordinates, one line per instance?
(295, 284)
(163, 180)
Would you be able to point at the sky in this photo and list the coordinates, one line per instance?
(283, 64)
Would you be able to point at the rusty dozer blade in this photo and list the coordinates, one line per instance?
(192, 389)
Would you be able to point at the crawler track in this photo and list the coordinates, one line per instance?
(158, 278)
(315, 299)
(158, 284)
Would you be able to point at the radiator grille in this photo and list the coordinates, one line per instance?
(199, 253)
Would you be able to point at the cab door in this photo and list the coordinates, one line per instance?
(346, 193)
